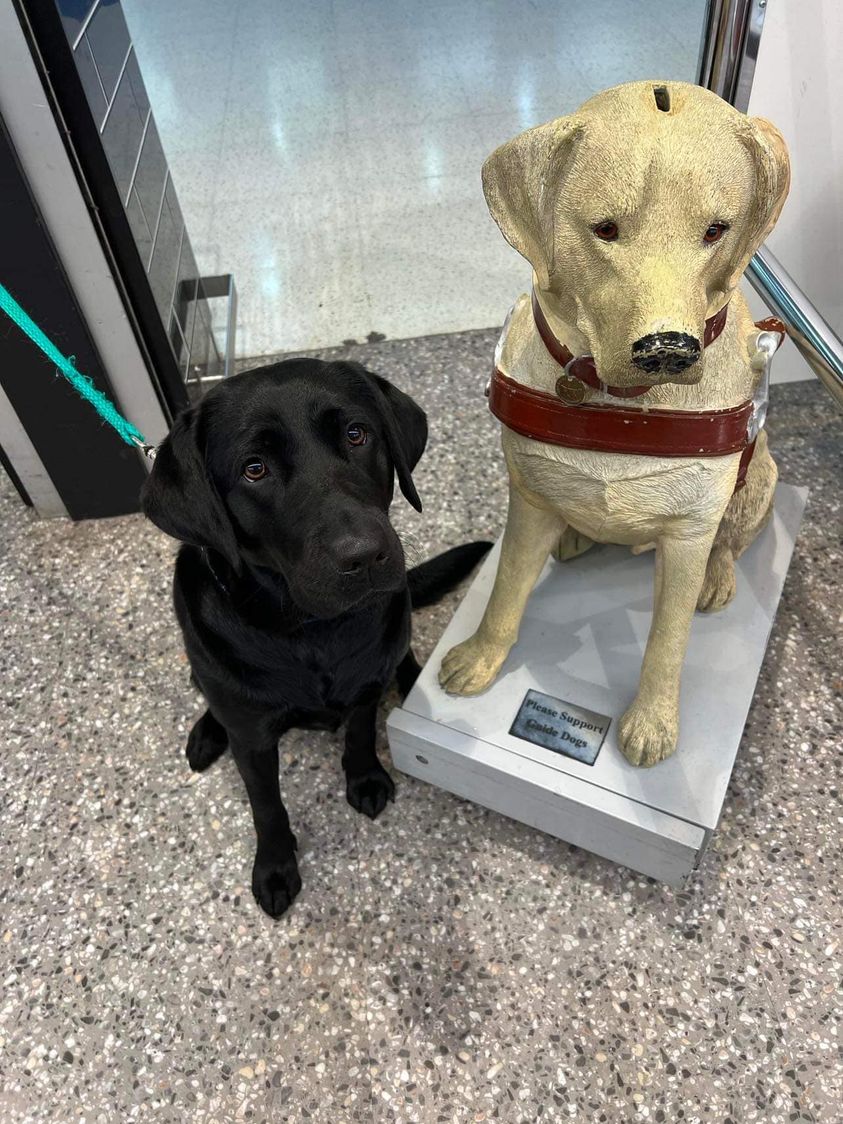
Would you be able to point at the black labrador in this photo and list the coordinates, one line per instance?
(291, 590)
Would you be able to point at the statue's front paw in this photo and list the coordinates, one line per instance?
(471, 667)
(648, 733)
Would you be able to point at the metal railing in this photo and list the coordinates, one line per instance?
(818, 344)
(729, 50)
(731, 36)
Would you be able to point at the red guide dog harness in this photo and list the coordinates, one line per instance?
(621, 429)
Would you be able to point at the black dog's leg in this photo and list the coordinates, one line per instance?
(205, 743)
(368, 786)
(408, 672)
(275, 875)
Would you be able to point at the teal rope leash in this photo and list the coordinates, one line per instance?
(80, 383)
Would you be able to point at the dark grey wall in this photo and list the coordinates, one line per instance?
(105, 61)
(94, 472)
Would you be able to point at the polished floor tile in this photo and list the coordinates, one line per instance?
(329, 154)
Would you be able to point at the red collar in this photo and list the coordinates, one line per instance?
(582, 367)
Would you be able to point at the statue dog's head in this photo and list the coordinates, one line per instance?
(639, 214)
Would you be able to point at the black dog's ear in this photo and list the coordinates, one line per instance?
(179, 495)
(406, 428)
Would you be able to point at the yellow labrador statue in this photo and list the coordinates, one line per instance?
(626, 382)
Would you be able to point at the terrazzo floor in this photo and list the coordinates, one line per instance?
(442, 964)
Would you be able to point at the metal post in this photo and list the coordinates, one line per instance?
(728, 55)
(818, 344)
(729, 51)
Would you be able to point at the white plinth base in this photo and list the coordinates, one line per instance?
(582, 641)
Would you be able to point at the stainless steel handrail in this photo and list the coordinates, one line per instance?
(818, 344)
(728, 54)
(729, 48)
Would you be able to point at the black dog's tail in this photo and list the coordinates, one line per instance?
(433, 579)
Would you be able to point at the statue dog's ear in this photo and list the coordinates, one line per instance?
(521, 183)
(770, 159)
(179, 495)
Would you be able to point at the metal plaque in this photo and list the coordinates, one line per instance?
(560, 726)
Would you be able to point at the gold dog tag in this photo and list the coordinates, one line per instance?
(569, 389)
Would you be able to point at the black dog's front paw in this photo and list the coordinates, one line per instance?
(206, 742)
(276, 882)
(370, 792)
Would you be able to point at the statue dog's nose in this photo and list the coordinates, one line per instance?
(665, 352)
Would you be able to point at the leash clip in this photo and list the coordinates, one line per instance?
(149, 451)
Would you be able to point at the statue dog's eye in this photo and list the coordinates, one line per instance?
(357, 434)
(254, 470)
(715, 232)
(607, 231)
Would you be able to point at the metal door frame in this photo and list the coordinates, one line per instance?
(728, 56)
(30, 117)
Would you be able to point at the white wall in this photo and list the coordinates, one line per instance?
(799, 87)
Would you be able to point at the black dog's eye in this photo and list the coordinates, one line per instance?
(357, 434)
(715, 232)
(254, 470)
(607, 231)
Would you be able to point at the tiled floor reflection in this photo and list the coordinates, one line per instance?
(328, 153)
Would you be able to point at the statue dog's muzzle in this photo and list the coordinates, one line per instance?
(665, 353)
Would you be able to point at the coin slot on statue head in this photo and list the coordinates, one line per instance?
(662, 96)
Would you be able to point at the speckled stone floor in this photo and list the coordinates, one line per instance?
(442, 964)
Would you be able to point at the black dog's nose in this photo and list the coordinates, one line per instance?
(669, 352)
(357, 553)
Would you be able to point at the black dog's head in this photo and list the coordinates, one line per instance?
(291, 467)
